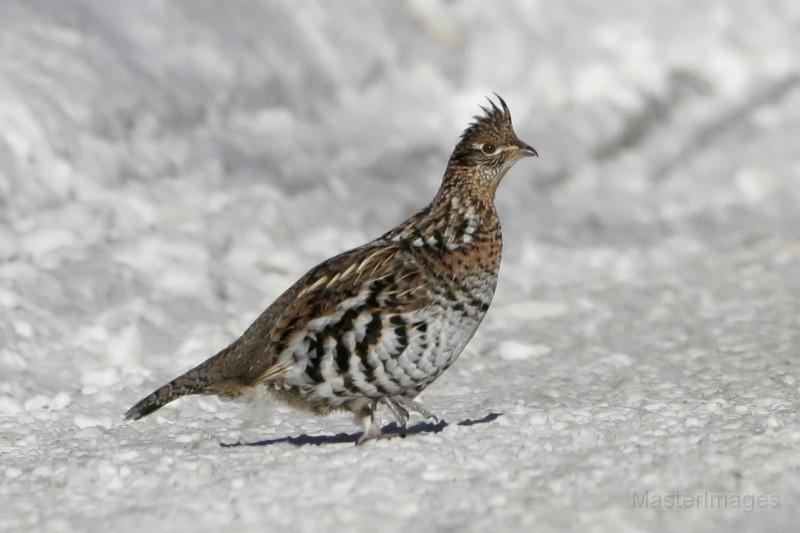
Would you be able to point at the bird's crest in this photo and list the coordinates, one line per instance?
(492, 128)
(495, 123)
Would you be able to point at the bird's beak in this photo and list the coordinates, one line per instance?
(526, 150)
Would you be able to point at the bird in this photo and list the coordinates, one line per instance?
(376, 325)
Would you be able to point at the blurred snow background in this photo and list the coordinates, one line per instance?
(167, 168)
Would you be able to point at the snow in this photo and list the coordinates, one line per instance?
(167, 169)
(517, 351)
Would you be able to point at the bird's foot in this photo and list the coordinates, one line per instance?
(399, 412)
(373, 433)
(416, 407)
(371, 429)
(400, 408)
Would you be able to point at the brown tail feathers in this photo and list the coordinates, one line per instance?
(204, 378)
(192, 382)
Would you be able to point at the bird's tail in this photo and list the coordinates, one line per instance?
(196, 381)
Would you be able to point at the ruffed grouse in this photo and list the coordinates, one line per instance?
(381, 322)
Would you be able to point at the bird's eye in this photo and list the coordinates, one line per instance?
(488, 148)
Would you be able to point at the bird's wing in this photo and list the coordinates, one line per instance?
(381, 276)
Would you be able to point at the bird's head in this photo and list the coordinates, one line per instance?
(489, 147)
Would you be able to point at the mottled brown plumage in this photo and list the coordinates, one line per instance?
(379, 323)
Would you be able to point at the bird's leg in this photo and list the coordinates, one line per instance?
(366, 415)
(415, 407)
(399, 412)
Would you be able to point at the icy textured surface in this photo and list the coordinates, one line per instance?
(167, 168)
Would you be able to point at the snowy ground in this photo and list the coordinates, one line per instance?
(167, 168)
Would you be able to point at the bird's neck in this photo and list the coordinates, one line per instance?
(459, 216)
(462, 182)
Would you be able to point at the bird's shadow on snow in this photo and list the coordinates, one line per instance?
(390, 431)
